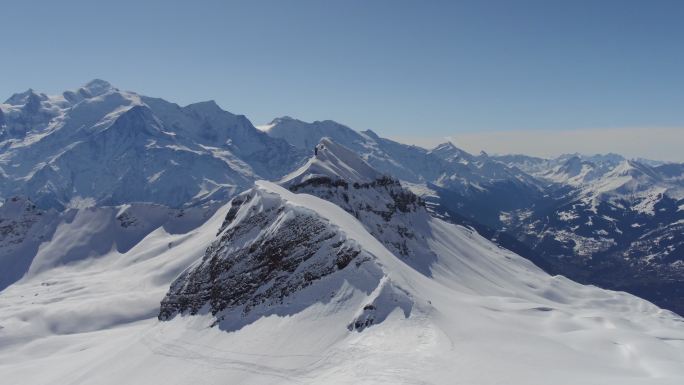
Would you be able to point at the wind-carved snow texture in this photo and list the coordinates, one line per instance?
(273, 258)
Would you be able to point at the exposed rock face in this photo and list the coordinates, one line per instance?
(17, 217)
(23, 227)
(265, 252)
(388, 211)
(269, 251)
(401, 200)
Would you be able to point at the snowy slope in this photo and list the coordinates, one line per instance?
(445, 165)
(332, 160)
(633, 180)
(475, 186)
(337, 274)
(612, 222)
(101, 272)
(606, 175)
(470, 172)
(112, 147)
(296, 289)
(33, 240)
(482, 315)
(600, 219)
(406, 162)
(575, 171)
(305, 135)
(563, 167)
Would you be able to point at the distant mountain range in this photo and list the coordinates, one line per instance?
(100, 145)
(337, 267)
(598, 219)
(142, 241)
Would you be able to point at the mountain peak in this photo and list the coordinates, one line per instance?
(371, 134)
(98, 83)
(27, 97)
(97, 87)
(306, 136)
(633, 169)
(283, 119)
(333, 161)
(448, 145)
(449, 152)
(575, 162)
(206, 107)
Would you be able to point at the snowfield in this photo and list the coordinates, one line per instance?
(337, 274)
(481, 315)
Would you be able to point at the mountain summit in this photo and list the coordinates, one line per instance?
(313, 271)
(98, 142)
(333, 161)
(338, 273)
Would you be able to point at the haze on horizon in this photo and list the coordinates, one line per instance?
(535, 77)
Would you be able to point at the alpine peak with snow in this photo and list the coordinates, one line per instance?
(103, 145)
(145, 242)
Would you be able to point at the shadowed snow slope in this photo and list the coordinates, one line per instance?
(33, 240)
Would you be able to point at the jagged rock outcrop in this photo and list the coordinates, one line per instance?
(388, 211)
(271, 257)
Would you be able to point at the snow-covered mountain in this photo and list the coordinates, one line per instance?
(477, 172)
(458, 180)
(409, 163)
(358, 262)
(446, 165)
(612, 222)
(102, 145)
(568, 165)
(549, 210)
(388, 211)
(576, 171)
(296, 289)
(33, 240)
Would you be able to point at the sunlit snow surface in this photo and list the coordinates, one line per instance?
(481, 316)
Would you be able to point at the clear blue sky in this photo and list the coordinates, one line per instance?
(401, 68)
